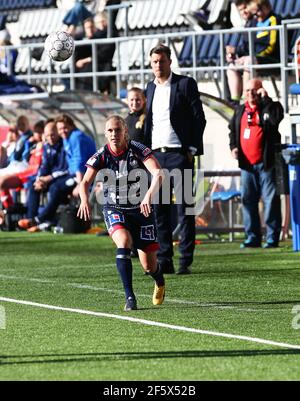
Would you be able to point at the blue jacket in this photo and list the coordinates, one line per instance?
(79, 147)
(186, 112)
(54, 161)
(22, 150)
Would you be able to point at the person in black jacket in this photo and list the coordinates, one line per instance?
(253, 138)
(136, 118)
(175, 124)
(84, 61)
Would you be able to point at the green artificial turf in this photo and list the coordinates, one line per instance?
(250, 293)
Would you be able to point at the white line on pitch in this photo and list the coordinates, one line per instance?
(153, 323)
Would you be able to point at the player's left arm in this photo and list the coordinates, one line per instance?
(157, 173)
(84, 211)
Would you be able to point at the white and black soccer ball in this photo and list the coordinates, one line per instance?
(59, 46)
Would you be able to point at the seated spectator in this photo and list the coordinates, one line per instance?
(240, 56)
(19, 158)
(136, 118)
(266, 44)
(83, 57)
(78, 149)
(100, 21)
(8, 146)
(52, 177)
(102, 4)
(75, 17)
(8, 58)
(25, 133)
(13, 180)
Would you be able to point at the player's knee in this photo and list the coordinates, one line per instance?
(124, 242)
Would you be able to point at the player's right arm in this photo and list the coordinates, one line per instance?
(84, 211)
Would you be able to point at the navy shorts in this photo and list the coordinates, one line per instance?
(141, 228)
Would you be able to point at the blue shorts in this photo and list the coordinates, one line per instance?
(141, 228)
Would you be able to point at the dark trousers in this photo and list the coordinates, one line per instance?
(163, 212)
(257, 184)
(33, 199)
(58, 192)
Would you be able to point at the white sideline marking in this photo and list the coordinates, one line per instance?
(152, 323)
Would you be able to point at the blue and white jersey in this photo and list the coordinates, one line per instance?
(124, 176)
(54, 161)
(78, 147)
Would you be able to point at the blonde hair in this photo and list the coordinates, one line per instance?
(121, 120)
(118, 118)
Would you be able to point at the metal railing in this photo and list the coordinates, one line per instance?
(142, 74)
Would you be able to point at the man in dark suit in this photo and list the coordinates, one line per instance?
(175, 124)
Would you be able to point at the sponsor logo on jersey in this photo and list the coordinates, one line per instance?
(116, 218)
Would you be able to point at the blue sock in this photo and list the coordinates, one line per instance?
(124, 266)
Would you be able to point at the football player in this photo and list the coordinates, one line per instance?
(127, 202)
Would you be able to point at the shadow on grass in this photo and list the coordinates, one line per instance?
(131, 356)
(230, 305)
(240, 271)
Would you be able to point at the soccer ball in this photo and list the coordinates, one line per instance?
(59, 46)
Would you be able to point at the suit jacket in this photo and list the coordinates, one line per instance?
(186, 112)
(270, 114)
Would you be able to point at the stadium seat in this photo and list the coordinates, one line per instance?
(288, 7)
(204, 49)
(225, 196)
(39, 23)
(12, 9)
(208, 49)
(155, 15)
(295, 12)
(230, 197)
(295, 89)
